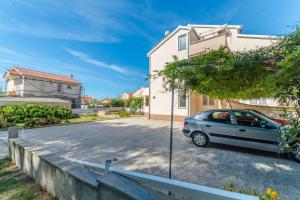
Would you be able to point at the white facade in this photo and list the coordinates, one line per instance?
(199, 38)
(27, 86)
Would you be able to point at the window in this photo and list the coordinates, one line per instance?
(182, 98)
(182, 42)
(69, 87)
(59, 88)
(200, 116)
(205, 100)
(219, 117)
(146, 100)
(211, 101)
(248, 119)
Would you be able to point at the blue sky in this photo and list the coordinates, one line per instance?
(104, 43)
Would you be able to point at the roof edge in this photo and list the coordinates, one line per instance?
(215, 26)
(259, 36)
(180, 27)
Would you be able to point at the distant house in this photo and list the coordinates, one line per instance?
(87, 100)
(126, 95)
(22, 82)
(105, 100)
(144, 93)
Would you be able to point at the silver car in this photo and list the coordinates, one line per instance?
(244, 128)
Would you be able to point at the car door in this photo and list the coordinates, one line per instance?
(219, 127)
(255, 131)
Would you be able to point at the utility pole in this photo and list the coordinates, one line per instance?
(171, 133)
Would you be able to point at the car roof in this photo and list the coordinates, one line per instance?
(228, 110)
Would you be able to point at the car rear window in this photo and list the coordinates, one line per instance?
(200, 116)
(220, 117)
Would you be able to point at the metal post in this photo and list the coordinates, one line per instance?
(171, 134)
(229, 103)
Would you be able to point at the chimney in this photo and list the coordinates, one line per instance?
(71, 76)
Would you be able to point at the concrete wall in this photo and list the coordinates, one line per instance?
(68, 180)
(95, 110)
(16, 100)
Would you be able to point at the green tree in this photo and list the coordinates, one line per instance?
(134, 104)
(117, 102)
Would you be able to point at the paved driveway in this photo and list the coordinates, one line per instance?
(142, 145)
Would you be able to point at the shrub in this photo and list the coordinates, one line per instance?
(21, 113)
(33, 115)
(36, 122)
(123, 113)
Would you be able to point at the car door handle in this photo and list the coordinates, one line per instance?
(208, 125)
(242, 130)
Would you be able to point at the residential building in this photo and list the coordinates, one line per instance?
(105, 100)
(87, 100)
(22, 82)
(143, 92)
(126, 95)
(186, 42)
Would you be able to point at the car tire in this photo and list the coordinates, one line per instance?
(296, 154)
(200, 139)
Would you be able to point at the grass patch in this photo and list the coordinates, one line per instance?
(15, 185)
(85, 119)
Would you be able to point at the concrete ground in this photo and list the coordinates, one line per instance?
(143, 145)
(3, 149)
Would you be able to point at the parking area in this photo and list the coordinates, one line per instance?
(143, 145)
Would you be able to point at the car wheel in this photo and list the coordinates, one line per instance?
(200, 139)
(296, 154)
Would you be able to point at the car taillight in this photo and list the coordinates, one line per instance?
(185, 123)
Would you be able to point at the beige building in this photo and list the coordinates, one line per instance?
(126, 95)
(144, 93)
(188, 41)
(21, 82)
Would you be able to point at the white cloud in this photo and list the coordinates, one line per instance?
(86, 58)
(88, 21)
(11, 52)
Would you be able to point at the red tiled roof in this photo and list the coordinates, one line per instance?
(87, 99)
(106, 99)
(39, 74)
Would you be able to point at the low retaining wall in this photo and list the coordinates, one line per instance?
(68, 180)
(95, 110)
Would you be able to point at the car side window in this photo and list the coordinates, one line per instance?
(248, 119)
(219, 117)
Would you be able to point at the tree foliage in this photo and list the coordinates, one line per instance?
(272, 71)
(134, 104)
(225, 74)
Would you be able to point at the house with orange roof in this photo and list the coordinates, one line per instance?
(24, 82)
(105, 100)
